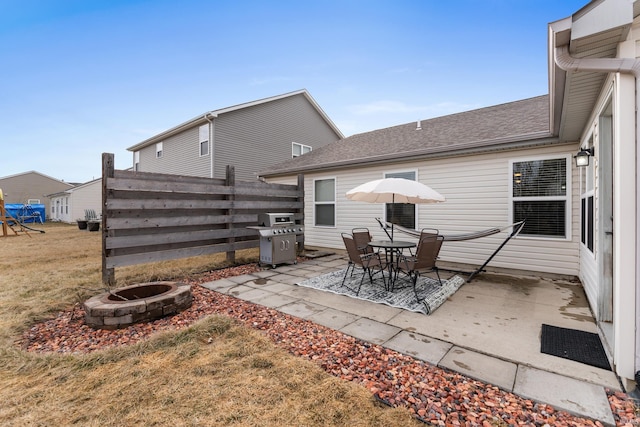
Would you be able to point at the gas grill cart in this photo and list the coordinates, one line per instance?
(278, 233)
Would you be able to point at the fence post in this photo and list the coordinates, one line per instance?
(108, 274)
(230, 180)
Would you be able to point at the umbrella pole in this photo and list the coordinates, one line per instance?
(393, 199)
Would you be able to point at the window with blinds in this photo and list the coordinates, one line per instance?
(403, 214)
(540, 196)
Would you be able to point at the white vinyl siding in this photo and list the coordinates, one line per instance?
(180, 156)
(250, 138)
(71, 206)
(86, 196)
(257, 137)
(477, 192)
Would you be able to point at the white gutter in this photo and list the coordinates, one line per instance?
(211, 116)
(565, 61)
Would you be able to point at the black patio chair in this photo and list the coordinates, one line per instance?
(370, 263)
(422, 262)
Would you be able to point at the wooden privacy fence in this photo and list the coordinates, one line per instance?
(150, 217)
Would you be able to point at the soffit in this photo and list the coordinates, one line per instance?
(581, 89)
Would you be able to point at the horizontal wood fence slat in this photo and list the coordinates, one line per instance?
(198, 188)
(143, 258)
(201, 204)
(151, 217)
(128, 222)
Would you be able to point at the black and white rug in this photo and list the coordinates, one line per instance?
(432, 294)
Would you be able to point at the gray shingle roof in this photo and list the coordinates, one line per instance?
(481, 129)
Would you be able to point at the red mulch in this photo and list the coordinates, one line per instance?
(434, 395)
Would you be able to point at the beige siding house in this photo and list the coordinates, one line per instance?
(250, 137)
(515, 161)
(30, 188)
(467, 157)
(70, 205)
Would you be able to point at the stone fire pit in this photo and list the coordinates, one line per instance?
(136, 303)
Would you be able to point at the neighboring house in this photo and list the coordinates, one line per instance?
(70, 205)
(515, 161)
(31, 188)
(250, 137)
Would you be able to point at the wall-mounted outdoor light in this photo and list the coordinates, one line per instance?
(582, 158)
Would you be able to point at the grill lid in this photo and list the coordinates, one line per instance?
(274, 219)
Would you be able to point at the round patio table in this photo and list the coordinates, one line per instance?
(390, 247)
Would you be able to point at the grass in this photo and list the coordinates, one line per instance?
(215, 373)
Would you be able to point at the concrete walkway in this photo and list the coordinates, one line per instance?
(489, 330)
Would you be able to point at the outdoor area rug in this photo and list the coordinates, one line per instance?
(572, 344)
(432, 295)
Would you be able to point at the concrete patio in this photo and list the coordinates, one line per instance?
(489, 330)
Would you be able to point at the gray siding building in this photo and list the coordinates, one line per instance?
(31, 188)
(250, 136)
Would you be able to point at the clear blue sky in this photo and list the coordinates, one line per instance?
(83, 77)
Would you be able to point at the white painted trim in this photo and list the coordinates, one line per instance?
(567, 197)
(415, 206)
(335, 201)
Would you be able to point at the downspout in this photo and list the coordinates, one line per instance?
(565, 61)
(209, 117)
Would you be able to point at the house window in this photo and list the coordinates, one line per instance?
(136, 161)
(540, 196)
(324, 201)
(403, 214)
(159, 150)
(203, 138)
(298, 150)
(587, 176)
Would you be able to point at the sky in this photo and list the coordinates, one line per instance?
(79, 78)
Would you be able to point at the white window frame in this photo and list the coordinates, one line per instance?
(303, 147)
(203, 140)
(136, 161)
(316, 203)
(415, 206)
(159, 150)
(587, 175)
(567, 197)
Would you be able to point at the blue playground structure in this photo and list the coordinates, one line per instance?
(14, 215)
(26, 213)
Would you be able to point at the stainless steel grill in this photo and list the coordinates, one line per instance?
(278, 233)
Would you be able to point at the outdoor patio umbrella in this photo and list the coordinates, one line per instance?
(394, 190)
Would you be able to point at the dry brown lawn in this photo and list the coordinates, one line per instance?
(216, 373)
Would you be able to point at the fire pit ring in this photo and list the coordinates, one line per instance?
(141, 302)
